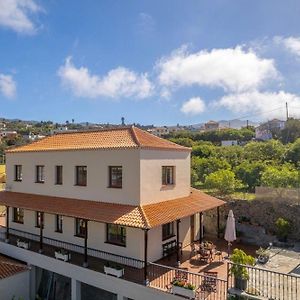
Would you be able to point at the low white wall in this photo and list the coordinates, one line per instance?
(15, 286)
(99, 280)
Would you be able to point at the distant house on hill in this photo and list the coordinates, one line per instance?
(266, 131)
(211, 125)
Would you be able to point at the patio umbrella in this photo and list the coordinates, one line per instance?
(230, 234)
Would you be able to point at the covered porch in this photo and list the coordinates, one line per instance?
(145, 218)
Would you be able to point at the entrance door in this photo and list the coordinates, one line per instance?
(192, 222)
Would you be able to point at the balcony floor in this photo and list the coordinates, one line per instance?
(193, 264)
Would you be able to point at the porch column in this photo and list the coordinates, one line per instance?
(85, 263)
(218, 222)
(200, 227)
(146, 281)
(41, 232)
(7, 225)
(178, 242)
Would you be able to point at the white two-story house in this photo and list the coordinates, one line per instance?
(82, 203)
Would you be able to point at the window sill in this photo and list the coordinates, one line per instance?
(80, 184)
(115, 244)
(79, 236)
(40, 182)
(58, 231)
(168, 237)
(18, 180)
(18, 222)
(58, 184)
(114, 187)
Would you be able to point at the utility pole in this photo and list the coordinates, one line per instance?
(287, 111)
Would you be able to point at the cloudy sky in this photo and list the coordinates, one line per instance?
(153, 62)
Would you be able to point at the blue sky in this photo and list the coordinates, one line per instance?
(153, 62)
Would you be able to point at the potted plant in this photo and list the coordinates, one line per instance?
(113, 269)
(62, 254)
(283, 228)
(183, 288)
(263, 255)
(23, 244)
(238, 268)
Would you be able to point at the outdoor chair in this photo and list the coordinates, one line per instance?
(209, 283)
(204, 255)
(194, 250)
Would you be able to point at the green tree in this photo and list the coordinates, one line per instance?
(205, 166)
(293, 153)
(291, 131)
(223, 182)
(184, 141)
(250, 173)
(203, 149)
(264, 151)
(280, 177)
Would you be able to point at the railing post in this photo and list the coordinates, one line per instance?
(218, 222)
(146, 280)
(85, 263)
(200, 227)
(41, 232)
(7, 225)
(177, 243)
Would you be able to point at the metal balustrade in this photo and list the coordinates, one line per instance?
(161, 277)
(268, 284)
(127, 261)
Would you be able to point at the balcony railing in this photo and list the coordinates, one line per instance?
(206, 287)
(268, 284)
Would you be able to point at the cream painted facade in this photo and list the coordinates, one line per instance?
(97, 235)
(142, 173)
(141, 185)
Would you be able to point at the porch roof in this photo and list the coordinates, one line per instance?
(10, 267)
(144, 217)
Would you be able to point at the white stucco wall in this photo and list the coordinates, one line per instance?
(96, 234)
(97, 162)
(142, 173)
(151, 165)
(16, 285)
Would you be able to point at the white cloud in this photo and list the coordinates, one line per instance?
(7, 86)
(262, 104)
(193, 106)
(292, 44)
(15, 14)
(119, 82)
(233, 69)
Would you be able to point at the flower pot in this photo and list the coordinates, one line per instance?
(62, 256)
(240, 283)
(23, 244)
(190, 294)
(113, 271)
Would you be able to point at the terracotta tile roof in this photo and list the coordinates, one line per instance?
(113, 138)
(146, 216)
(121, 214)
(171, 210)
(10, 267)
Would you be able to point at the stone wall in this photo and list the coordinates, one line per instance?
(255, 219)
(291, 196)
